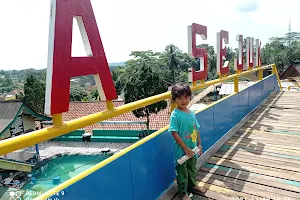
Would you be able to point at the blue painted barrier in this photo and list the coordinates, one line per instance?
(226, 114)
(145, 172)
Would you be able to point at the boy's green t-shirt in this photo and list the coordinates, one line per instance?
(186, 125)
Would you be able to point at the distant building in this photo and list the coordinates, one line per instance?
(228, 88)
(16, 118)
(293, 70)
(10, 97)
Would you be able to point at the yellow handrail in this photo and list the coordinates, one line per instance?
(45, 134)
(139, 143)
(293, 86)
(274, 70)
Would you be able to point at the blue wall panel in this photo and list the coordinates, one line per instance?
(243, 103)
(271, 84)
(266, 87)
(140, 170)
(276, 86)
(160, 160)
(255, 95)
(207, 128)
(260, 92)
(225, 116)
(113, 182)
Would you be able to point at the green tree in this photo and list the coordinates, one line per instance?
(6, 82)
(77, 93)
(144, 83)
(177, 64)
(34, 90)
(117, 78)
(173, 60)
(282, 50)
(212, 61)
(94, 94)
(20, 95)
(156, 63)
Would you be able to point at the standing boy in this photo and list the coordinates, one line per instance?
(184, 126)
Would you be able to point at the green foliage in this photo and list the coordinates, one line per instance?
(34, 90)
(212, 61)
(116, 75)
(282, 51)
(94, 94)
(175, 64)
(144, 82)
(20, 95)
(6, 83)
(77, 93)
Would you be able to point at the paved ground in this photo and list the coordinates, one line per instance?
(52, 148)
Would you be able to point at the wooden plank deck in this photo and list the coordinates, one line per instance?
(262, 159)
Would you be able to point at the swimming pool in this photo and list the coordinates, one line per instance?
(63, 168)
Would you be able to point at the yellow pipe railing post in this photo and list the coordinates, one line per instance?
(57, 119)
(293, 86)
(110, 105)
(260, 74)
(172, 105)
(236, 84)
(274, 71)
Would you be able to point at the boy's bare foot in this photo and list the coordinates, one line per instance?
(186, 197)
(200, 189)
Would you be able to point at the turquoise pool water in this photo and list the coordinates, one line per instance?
(64, 167)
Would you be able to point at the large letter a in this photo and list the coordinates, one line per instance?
(62, 66)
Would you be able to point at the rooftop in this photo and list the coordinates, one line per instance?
(81, 109)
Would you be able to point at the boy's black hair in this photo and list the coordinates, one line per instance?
(180, 89)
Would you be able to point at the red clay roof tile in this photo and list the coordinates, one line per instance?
(81, 109)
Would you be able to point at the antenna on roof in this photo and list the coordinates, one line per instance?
(289, 34)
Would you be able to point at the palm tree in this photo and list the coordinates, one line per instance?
(173, 60)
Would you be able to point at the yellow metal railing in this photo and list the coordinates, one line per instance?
(59, 128)
(293, 86)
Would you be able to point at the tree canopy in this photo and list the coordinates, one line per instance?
(282, 51)
(34, 90)
(143, 81)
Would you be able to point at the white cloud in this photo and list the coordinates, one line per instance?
(248, 6)
(131, 25)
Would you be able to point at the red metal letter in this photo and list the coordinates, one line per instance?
(257, 57)
(249, 56)
(221, 53)
(62, 66)
(200, 53)
(239, 63)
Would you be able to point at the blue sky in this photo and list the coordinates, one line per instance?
(131, 25)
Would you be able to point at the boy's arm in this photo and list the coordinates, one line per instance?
(186, 150)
